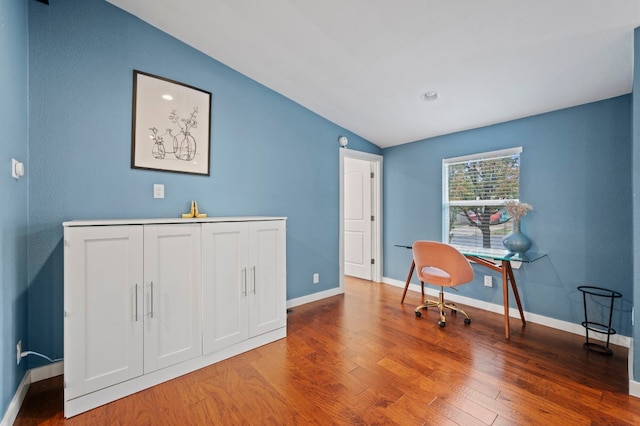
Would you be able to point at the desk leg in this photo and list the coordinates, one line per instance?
(505, 295)
(507, 276)
(406, 286)
(515, 292)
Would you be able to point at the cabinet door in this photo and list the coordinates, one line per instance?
(103, 323)
(267, 301)
(172, 276)
(225, 276)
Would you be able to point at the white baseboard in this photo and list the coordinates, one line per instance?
(30, 376)
(315, 297)
(47, 371)
(569, 327)
(634, 387)
(16, 402)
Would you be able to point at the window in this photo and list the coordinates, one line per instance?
(475, 190)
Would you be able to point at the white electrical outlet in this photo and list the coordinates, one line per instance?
(158, 190)
(316, 278)
(488, 281)
(18, 352)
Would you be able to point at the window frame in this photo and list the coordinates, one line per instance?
(447, 204)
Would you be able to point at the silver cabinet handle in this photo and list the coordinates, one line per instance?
(244, 290)
(254, 279)
(136, 302)
(151, 299)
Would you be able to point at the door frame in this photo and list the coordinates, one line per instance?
(376, 210)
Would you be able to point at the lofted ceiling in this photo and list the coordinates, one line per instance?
(365, 64)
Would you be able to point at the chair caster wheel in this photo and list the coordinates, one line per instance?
(418, 314)
(467, 321)
(442, 323)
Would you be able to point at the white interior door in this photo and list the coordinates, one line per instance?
(357, 218)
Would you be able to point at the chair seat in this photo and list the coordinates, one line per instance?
(435, 276)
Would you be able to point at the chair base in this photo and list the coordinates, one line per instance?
(442, 305)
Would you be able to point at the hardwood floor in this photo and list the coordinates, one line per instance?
(362, 358)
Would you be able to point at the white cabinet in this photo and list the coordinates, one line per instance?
(142, 298)
(172, 276)
(243, 281)
(132, 302)
(225, 256)
(267, 264)
(103, 325)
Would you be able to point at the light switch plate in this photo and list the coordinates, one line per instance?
(158, 190)
(17, 169)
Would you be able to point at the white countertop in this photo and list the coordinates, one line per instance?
(112, 222)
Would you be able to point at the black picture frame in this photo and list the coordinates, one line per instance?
(171, 126)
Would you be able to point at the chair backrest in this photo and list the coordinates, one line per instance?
(445, 257)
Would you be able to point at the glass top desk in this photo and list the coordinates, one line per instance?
(497, 260)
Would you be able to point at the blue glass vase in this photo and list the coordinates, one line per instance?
(515, 241)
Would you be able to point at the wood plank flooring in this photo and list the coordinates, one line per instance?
(363, 358)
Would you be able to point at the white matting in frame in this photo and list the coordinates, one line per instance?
(171, 126)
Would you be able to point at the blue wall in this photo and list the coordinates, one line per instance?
(13, 193)
(269, 156)
(635, 125)
(575, 171)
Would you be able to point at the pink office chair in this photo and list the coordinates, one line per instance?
(443, 265)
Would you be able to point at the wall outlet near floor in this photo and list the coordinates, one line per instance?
(316, 278)
(18, 352)
(488, 281)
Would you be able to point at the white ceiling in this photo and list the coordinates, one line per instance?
(363, 64)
